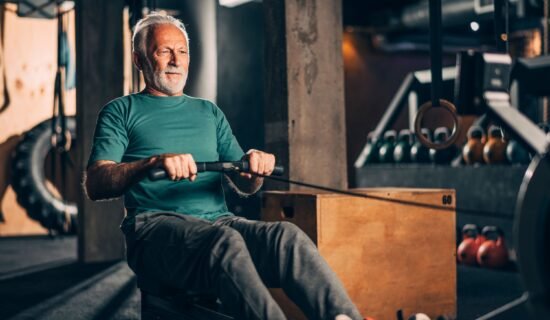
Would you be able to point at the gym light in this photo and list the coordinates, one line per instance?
(234, 3)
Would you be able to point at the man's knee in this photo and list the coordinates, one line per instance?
(229, 254)
(229, 239)
(291, 233)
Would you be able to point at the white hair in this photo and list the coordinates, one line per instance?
(143, 26)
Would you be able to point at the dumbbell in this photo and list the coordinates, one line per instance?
(492, 253)
(419, 152)
(385, 153)
(402, 150)
(472, 152)
(494, 150)
(472, 239)
(373, 146)
(442, 156)
(516, 153)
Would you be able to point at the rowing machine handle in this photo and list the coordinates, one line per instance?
(159, 173)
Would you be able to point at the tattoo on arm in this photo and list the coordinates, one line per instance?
(108, 179)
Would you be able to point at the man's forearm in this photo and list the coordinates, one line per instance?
(107, 180)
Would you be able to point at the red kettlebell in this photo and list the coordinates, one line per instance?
(471, 240)
(493, 252)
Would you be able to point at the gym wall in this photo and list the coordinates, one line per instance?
(371, 80)
(29, 60)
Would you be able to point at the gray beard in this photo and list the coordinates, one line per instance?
(160, 82)
(165, 86)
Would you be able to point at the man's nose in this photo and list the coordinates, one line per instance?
(176, 60)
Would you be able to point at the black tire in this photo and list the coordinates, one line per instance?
(28, 180)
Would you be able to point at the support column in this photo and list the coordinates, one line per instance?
(199, 16)
(304, 88)
(99, 61)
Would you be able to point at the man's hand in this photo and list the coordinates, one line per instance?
(108, 179)
(260, 162)
(178, 166)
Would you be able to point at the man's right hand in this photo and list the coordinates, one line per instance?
(106, 179)
(178, 166)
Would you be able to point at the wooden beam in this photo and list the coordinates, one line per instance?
(99, 60)
(304, 90)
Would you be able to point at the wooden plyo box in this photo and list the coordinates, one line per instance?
(388, 255)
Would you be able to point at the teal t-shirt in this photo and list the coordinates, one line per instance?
(140, 125)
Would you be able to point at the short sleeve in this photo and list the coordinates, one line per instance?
(228, 146)
(110, 136)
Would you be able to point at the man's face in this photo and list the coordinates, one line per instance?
(167, 63)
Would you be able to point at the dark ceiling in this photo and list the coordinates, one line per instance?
(356, 12)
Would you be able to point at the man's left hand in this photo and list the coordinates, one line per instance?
(260, 163)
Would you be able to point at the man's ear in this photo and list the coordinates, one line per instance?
(136, 58)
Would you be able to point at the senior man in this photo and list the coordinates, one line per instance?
(179, 232)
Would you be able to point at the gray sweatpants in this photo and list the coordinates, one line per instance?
(237, 259)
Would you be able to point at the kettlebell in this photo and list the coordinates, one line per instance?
(402, 150)
(472, 152)
(471, 240)
(385, 154)
(516, 153)
(492, 253)
(419, 152)
(494, 150)
(373, 145)
(442, 156)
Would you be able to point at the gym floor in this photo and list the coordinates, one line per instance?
(40, 278)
